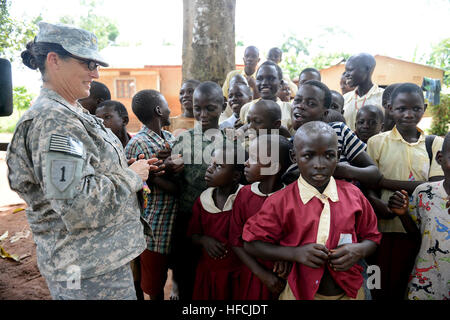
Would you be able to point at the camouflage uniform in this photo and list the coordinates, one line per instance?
(81, 196)
(109, 286)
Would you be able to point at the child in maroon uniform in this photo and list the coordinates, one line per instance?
(324, 226)
(259, 280)
(217, 268)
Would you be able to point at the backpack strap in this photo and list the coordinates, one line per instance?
(428, 144)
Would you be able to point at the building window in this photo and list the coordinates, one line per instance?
(125, 88)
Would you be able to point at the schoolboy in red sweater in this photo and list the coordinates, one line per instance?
(324, 226)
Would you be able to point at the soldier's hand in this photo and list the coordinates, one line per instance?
(132, 160)
(141, 167)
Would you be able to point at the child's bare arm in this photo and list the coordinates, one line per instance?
(408, 186)
(379, 206)
(313, 255)
(398, 204)
(345, 256)
(274, 283)
(361, 168)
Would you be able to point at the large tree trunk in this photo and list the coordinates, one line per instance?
(208, 39)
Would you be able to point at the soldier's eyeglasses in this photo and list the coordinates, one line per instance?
(91, 64)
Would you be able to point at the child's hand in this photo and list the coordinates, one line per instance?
(282, 268)
(345, 256)
(313, 255)
(174, 163)
(275, 284)
(157, 171)
(214, 248)
(252, 84)
(251, 81)
(398, 202)
(163, 154)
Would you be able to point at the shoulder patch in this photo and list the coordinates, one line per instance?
(62, 173)
(65, 144)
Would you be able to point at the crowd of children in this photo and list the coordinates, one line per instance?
(260, 197)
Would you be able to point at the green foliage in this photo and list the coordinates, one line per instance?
(14, 34)
(322, 60)
(296, 45)
(440, 57)
(104, 28)
(441, 116)
(297, 54)
(22, 101)
(21, 98)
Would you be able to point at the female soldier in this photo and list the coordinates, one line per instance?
(72, 173)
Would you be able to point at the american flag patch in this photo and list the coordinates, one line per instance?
(65, 144)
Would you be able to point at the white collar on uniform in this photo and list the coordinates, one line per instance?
(206, 198)
(255, 189)
(307, 191)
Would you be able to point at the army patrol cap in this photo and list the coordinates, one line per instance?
(78, 42)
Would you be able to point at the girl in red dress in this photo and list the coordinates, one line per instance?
(259, 279)
(217, 269)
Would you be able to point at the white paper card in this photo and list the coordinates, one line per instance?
(345, 238)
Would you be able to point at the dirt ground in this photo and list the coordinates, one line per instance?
(22, 280)
(19, 280)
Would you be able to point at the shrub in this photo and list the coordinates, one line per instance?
(441, 116)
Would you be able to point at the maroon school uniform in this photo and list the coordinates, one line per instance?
(214, 279)
(286, 221)
(248, 202)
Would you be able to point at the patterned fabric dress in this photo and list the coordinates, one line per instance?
(430, 278)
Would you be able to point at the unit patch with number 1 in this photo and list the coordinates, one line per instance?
(63, 167)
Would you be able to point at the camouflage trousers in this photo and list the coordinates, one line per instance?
(114, 285)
